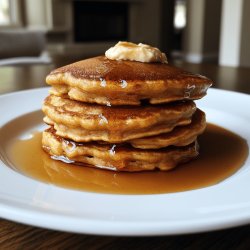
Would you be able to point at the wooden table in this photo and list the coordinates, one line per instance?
(17, 236)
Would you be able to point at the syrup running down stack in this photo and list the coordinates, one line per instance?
(123, 115)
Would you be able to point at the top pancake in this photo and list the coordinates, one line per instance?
(112, 82)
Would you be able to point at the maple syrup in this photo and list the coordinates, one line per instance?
(222, 153)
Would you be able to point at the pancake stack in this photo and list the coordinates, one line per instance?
(123, 115)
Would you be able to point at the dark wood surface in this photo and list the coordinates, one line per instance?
(17, 236)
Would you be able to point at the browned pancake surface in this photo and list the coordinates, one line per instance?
(179, 136)
(114, 70)
(84, 122)
(112, 82)
(116, 157)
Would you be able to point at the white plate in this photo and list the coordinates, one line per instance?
(220, 206)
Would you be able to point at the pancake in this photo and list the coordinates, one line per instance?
(82, 122)
(179, 136)
(116, 157)
(111, 82)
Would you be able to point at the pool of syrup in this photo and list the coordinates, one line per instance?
(222, 153)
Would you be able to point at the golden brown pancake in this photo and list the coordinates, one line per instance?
(111, 82)
(116, 157)
(179, 136)
(82, 122)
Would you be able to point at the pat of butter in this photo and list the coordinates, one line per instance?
(135, 52)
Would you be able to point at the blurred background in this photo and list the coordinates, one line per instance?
(205, 36)
(192, 30)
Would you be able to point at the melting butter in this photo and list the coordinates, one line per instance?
(135, 52)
